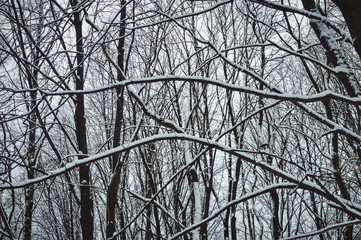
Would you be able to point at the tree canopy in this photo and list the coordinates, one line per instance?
(154, 119)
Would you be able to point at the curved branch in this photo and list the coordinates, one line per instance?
(323, 230)
(347, 206)
(325, 95)
(232, 203)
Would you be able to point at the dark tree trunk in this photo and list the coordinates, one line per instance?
(31, 156)
(334, 55)
(31, 77)
(275, 217)
(351, 12)
(86, 202)
(112, 193)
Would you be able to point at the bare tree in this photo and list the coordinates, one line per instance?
(180, 119)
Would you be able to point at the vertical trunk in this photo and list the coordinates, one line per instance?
(112, 193)
(193, 177)
(31, 77)
(336, 166)
(208, 176)
(148, 227)
(29, 191)
(333, 51)
(197, 208)
(86, 202)
(229, 197)
(237, 174)
(264, 143)
(148, 157)
(208, 180)
(111, 203)
(31, 154)
(318, 220)
(275, 218)
(351, 12)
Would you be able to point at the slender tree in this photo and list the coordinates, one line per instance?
(86, 199)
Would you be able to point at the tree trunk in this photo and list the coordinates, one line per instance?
(86, 202)
(29, 191)
(351, 12)
(112, 193)
(333, 51)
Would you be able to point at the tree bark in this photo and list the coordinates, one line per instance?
(351, 12)
(112, 192)
(86, 202)
(333, 51)
(348, 80)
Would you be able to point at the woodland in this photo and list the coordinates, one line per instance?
(180, 119)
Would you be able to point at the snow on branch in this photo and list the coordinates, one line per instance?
(347, 206)
(325, 95)
(232, 203)
(309, 14)
(323, 230)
